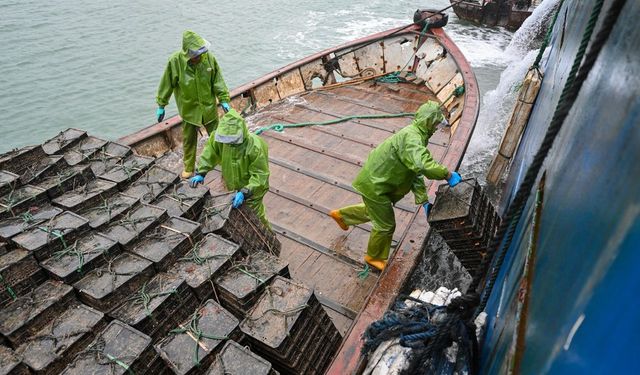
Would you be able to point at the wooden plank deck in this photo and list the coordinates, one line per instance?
(311, 173)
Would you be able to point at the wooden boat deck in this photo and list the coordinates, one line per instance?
(311, 173)
(326, 160)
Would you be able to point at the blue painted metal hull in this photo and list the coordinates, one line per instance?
(584, 315)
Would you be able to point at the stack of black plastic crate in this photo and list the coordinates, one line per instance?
(466, 220)
(289, 327)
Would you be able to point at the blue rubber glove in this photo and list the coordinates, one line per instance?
(195, 180)
(427, 208)
(160, 114)
(225, 106)
(238, 199)
(455, 179)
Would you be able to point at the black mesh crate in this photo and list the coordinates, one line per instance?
(241, 225)
(205, 261)
(135, 223)
(58, 233)
(456, 207)
(28, 314)
(89, 252)
(20, 200)
(193, 344)
(66, 180)
(110, 209)
(85, 196)
(473, 229)
(8, 182)
(27, 220)
(65, 139)
(167, 242)
(240, 286)
(19, 274)
(127, 170)
(158, 305)
(183, 200)
(171, 160)
(289, 326)
(84, 150)
(108, 156)
(237, 359)
(105, 287)
(152, 183)
(52, 348)
(11, 363)
(18, 160)
(45, 167)
(119, 349)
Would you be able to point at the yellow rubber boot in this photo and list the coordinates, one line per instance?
(335, 214)
(375, 262)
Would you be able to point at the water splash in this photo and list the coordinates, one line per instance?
(497, 104)
(530, 35)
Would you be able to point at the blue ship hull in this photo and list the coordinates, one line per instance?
(582, 315)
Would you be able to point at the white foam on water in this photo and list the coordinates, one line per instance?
(497, 104)
(531, 32)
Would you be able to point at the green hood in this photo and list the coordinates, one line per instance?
(232, 129)
(429, 115)
(192, 41)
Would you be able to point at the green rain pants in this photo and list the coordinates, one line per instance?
(380, 213)
(190, 143)
(258, 207)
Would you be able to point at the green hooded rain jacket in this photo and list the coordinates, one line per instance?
(244, 166)
(398, 164)
(196, 86)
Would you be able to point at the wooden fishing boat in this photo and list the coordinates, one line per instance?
(507, 13)
(312, 167)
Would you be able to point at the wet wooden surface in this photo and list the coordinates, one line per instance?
(312, 169)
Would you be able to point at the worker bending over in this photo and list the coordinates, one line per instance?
(392, 169)
(244, 158)
(194, 76)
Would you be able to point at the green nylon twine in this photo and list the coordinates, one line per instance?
(281, 127)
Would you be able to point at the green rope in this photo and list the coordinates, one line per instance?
(79, 254)
(143, 298)
(547, 38)
(27, 218)
(98, 351)
(281, 127)
(12, 294)
(195, 330)
(196, 258)
(56, 233)
(364, 273)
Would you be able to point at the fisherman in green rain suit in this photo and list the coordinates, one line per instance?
(194, 76)
(244, 159)
(392, 169)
